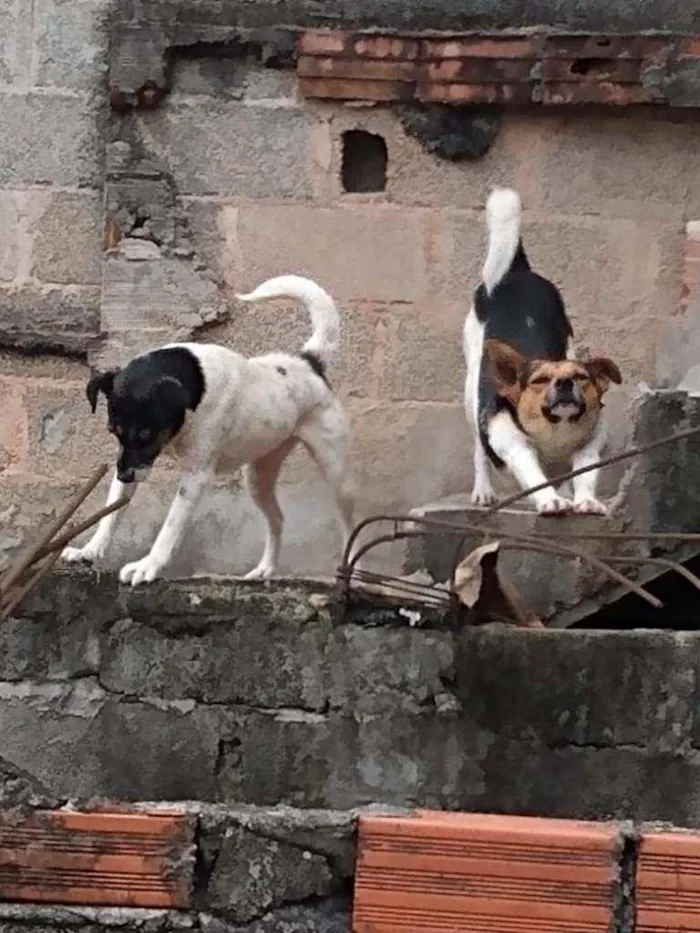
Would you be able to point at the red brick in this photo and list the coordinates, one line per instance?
(322, 43)
(689, 46)
(668, 883)
(481, 47)
(479, 70)
(603, 93)
(343, 68)
(474, 93)
(629, 47)
(338, 89)
(108, 859)
(584, 70)
(483, 873)
(386, 47)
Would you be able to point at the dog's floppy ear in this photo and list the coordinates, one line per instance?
(603, 371)
(506, 366)
(100, 382)
(169, 393)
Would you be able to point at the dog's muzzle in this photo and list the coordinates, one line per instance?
(564, 401)
(133, 475)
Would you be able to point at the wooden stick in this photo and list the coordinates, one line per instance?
(16, 597)
(75, 530)
(29, 555)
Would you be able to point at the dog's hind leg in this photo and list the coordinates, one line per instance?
(326, 435)
(262, 477)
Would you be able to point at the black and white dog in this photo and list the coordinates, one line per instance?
(526, 397)
(213, 409)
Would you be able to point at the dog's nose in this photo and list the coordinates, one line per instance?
(126, 476)
(564, 384)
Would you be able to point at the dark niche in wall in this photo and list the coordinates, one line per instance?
(452, 133)
(364, 161)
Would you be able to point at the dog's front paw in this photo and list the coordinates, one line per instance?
(555, 505)
(590, 507)
(483, 495)
(87, 554)
(141, 571)
(261, 572)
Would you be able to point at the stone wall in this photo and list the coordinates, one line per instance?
(232, 177)
(238, 695)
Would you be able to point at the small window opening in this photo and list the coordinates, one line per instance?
(364, 161)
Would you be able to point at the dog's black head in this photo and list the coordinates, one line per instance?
(147, 403)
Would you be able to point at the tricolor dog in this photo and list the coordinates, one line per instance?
(526, 399)
(214, 409)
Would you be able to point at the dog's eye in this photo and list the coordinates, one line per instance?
(580, 377)
(145, 435)
(539, 380)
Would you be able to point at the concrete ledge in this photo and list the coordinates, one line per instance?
(237, 693)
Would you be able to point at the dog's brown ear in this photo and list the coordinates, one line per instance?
(506, 366)
(603, 371)
(100, 382)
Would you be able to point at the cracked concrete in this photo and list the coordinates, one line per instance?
(263, 695)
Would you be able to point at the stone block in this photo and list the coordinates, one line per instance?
(58, 138)
(374, 251)
(338, 761)
(82, 743)
(71, 43)
(254, 874)
(146, 291)
(273, 663)
(650, 709)
(581, 149)
(390, 473)
(67, 240)
(423, 358)
(64, 437)
(49, 319)
(376, 671)
(229, 149)
(14, 425)
(328, 833)
(15, 50)
(590, 783)
(28, 503)
(18, 211)
(282, 756)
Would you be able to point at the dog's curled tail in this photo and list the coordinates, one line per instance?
(325, 319)
(503, 209)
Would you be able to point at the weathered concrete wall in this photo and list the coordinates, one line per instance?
(246, 695)
(233, 178)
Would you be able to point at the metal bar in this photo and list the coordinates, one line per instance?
(606, 461)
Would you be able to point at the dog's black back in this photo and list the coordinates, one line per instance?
(526, 311)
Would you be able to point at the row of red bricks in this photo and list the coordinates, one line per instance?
(517, 69)
(424, 871)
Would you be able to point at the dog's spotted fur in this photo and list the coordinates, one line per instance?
(216, 411)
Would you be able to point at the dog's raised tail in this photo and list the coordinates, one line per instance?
(503, 209)
(325, 319)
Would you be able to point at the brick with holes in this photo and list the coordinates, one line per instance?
(429, 872)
